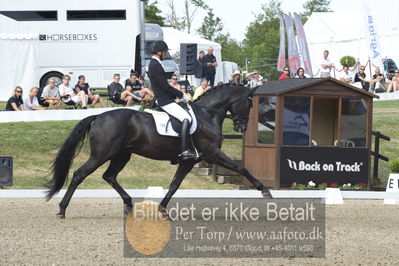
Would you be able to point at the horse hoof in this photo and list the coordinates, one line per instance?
(127, 209)
(61, 215)
(266, 193)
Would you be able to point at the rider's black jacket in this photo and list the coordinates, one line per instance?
(164, 93)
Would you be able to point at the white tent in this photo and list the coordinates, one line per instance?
(18, 57)
(174, 37)
(343, 33)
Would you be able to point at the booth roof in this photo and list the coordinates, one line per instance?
(291, 84)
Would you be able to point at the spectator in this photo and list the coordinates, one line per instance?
(93, 99)
(69, 96)
(300, 73)
(30, 101)
(201, 89)
(326, 66)
(200, 69)
(173, 82)
(361, 77)
(394, 84)
(235, 78)
(257, 78)
(285, 74)
(378, 81)
(50, 95)
(346, 77)
(211, 65)
(118, 95)
(134, 85)
(183, 89)
(220, 84)
(15, 103)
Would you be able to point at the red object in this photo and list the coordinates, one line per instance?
(283, 76)
(335, 184)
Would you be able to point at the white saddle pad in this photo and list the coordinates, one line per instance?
(164, 126)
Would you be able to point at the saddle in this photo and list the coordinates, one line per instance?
(168, 125)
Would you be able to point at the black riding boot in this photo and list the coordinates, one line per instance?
(187, 148)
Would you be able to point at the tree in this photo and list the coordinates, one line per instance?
(262, 39)
(315, 6)
(231, 49)
(190, 9)
(152, 12)
(211, 27)
(173, 20)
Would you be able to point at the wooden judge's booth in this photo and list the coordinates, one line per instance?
(303, 130)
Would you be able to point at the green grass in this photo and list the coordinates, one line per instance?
(34, 146)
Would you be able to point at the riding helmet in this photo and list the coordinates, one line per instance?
(159, 46)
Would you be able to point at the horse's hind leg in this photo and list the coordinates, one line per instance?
(116, 165)
(78, 176)
(183, 169)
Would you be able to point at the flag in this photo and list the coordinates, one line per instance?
(281, 53)
(293, 55)
(303, 44)
(371, 31)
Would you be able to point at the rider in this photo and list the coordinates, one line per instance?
(166, 95)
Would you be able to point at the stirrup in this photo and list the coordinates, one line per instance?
(188, 154)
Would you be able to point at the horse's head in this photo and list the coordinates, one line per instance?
(239, 109)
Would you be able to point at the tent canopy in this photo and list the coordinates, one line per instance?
(175, 37)
(18, 53)
(343, 33)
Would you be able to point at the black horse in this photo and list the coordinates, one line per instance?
(123, 132)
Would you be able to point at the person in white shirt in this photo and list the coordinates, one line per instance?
(30, 101)
(50, 95)
(326, 66)
(346, 76)
(68, 94)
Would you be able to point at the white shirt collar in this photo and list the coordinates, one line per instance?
(156, 58)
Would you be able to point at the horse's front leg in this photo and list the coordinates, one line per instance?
(183, 169)
(223, 160)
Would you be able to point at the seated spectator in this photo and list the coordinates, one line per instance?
(15, 103)
(257, 77)
(134, 85)
(184, 90)
(394, 84)
(69, 96)
(285, 74)
(30, 101)
(93, 99)
(118, 95)
(361, 77)
(201, 89)
(346, 77)
(378, 81)
(50, 95)
(173, 82)
(235, 78)
(300, 73)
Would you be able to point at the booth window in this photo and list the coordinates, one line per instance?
(324, 122)
(31, 15)
(353, 122)
(296, 121)
(96, 14)
(266, 119)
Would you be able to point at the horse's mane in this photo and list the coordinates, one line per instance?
(215, 88)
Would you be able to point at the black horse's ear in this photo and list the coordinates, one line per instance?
(252, 91)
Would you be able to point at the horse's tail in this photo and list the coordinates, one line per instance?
(65, 156)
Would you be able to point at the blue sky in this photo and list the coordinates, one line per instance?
(238, 14)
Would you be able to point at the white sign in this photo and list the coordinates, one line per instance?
(392, 186)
